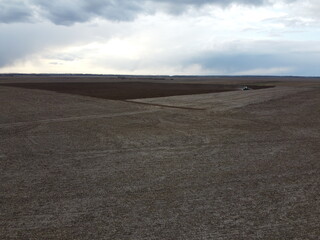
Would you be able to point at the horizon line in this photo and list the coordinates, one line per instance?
(151, 75)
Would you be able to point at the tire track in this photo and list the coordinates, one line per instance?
(164, 106)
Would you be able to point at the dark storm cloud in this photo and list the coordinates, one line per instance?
(14, 11)
(67, 12)
(220, 2)
(230, 62)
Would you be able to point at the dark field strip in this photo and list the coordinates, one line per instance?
(130, 90)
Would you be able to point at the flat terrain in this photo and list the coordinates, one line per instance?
(131, 90)
(81, 161)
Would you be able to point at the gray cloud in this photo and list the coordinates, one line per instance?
(233, 62)
(298, 57)
(239, 58)
(68, 12)
(219, 2)
(19, 41)
(64, 12)
(14, 11)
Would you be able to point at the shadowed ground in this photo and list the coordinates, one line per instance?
(245, 167)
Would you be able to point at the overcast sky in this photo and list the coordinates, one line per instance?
(233, 37)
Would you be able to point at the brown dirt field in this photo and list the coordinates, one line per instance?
(245, 165)
(130, 90)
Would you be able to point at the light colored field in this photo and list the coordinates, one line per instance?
(245, 167)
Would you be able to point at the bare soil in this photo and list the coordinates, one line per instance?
(130, 90)
(245, 165)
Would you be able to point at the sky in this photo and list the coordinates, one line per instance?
(161, 37)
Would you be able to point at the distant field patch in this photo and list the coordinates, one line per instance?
(130, 90)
